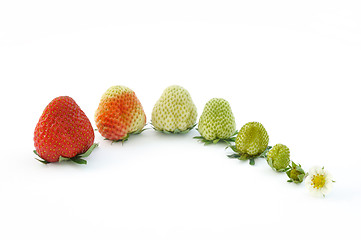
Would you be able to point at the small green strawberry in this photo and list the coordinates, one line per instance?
(175, 111)
(251, 142)
(216, 122)
(296, 173)
(279, 157)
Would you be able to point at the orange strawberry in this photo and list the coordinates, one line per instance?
(63, 132)
(119, 114)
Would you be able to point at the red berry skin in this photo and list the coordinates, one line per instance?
(63, 130)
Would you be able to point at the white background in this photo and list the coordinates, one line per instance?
(294, 66)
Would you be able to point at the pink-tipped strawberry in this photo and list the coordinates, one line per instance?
(63, 132)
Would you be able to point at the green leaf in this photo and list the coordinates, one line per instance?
(289, 180)
(79, 160)
(216, 140)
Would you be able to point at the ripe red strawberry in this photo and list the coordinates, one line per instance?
(119, 114)
(63, 132)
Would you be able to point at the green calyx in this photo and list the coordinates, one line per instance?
(217, 140)
(245, 156)
(176, 131)
(295, 173)
(77, 159)
(128, 135)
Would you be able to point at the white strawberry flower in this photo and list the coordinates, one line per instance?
(319, 181)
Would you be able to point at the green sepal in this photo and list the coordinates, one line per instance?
(198, 137)
(294, 164)
(89, 151)
(249, 157)
(64, 159)
(235, 155)
(264, 154)
(243, 157)
(215, 141)
(77, 159)
(127, 136)
(233, 147)
(40, 160)
(301, 177)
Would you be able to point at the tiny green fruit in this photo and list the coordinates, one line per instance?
(295, 173)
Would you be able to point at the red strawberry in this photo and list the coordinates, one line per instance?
(63, 132)
(119, 114)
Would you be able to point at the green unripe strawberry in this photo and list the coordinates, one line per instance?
(279, 157)
(296, 173)
(175, 111)
(217, 120)
(252, 140)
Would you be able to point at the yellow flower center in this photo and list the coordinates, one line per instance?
(318, 181)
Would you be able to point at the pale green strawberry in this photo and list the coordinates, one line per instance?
(217, 121)
(251, 142)
(175, 111)
(279, 157)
